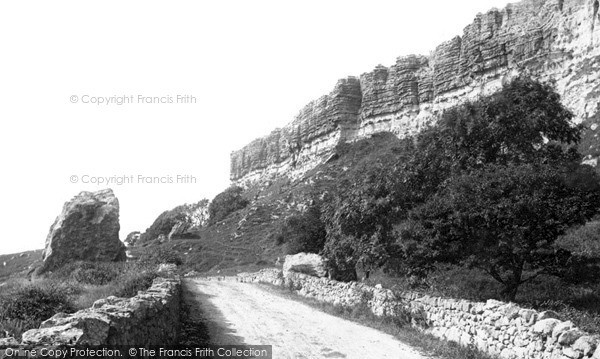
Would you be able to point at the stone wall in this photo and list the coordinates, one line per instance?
(149, 318)
(552, 40)
(495, 327)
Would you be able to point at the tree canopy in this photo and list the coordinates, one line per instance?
(491, 185)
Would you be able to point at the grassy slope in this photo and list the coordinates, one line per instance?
(244, 240)
(18, 264)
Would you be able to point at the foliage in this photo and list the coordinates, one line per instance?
(162, 225)
(24, 305)
(504, 220)
(492, 185)
(132, 238)
(166, 220)
(510, 185)
(34, 303)
(525, 122)
(359, 217)
(94, 273)
(303, 232)
(225, 203)
(131, 284)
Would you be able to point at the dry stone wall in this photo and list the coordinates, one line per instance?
(498, 328)
(149, 318)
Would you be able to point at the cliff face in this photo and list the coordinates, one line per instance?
(552, 40)
(301, 144)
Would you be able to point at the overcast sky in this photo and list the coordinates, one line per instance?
(251, 66)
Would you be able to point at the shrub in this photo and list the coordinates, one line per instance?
(95, 273)
(34, 303)
(225, 203)
(82, 272)
(303, 232)
(132, 238)
(135, 282)
(162, 225)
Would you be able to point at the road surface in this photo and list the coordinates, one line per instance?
(242, 313)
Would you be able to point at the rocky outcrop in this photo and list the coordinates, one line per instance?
(310, 136)
(132, 238)
(196, 214)
(307, 263)
(192, 217)
(86, 230)
(181, 222)
(552, 40)
(494, 327)
(149, 318)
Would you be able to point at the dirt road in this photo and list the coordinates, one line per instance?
(241, 313)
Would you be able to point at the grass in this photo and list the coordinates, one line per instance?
(578, 303)
(246, 238)
(18, 264)
(25, 304)
(399, 328)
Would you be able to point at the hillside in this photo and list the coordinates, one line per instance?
(247, 238)
(18, 264)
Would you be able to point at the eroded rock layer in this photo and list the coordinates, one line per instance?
(555, 41)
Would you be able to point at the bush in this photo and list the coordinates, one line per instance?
(162, 225)
(95, 274)
(35, 303)
(135, 282)
(225, 203)
(303, 232)
(83, 272)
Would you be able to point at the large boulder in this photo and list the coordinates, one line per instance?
(307, 263)
(87, 229)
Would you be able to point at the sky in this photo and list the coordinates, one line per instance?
(195, 81)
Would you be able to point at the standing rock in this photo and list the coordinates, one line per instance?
(307, 263)
(87, 229)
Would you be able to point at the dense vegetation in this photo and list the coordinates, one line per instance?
(226, 203)
(304, 232)
(491, 186)
(165, 222)
(24, 304)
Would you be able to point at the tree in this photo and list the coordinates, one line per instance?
(304, 232)
(225, 203)
(190, 214)
(132, 238)
(162, 225)
(359, 219)
(468, 191)
(505, 219)
(525, 122)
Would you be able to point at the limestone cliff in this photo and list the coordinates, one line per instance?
(552, 40)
